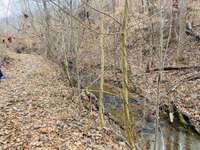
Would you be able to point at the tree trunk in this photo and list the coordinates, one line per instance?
(47, 31)
(101, 106)
(182, 23)
(159, 77)
(124, 65)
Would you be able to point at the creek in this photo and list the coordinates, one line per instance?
(172, 135)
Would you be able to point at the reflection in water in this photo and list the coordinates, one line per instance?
(188, 144)
(162, 140)
(182, 141)
(170, 138)
(173, 139)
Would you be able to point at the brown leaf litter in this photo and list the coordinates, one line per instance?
(39, 112)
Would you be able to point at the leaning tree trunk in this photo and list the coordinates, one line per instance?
(124, 65)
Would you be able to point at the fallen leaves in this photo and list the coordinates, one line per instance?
(39, 112)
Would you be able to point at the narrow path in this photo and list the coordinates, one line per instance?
(39, 112)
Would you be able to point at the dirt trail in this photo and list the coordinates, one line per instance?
(39, 112)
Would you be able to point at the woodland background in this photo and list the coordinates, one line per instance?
(147, 51)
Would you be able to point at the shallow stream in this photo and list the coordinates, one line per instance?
(172, 136)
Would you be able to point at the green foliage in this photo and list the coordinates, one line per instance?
(182, 120)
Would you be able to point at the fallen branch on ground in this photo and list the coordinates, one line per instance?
(174, 68)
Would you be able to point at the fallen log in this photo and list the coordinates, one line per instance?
(174, 68)
(174, 87)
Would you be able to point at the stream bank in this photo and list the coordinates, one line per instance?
(172, 135)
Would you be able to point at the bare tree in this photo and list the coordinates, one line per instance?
(47, 29)
(182, 24)
(159, 76)
(124, 65)
(101, 105)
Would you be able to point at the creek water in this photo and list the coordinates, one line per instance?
(171, 136)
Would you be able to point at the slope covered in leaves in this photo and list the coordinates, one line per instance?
(39, 112)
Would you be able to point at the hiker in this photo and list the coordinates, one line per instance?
(1, 75)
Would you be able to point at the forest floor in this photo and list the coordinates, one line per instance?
(38, 111)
